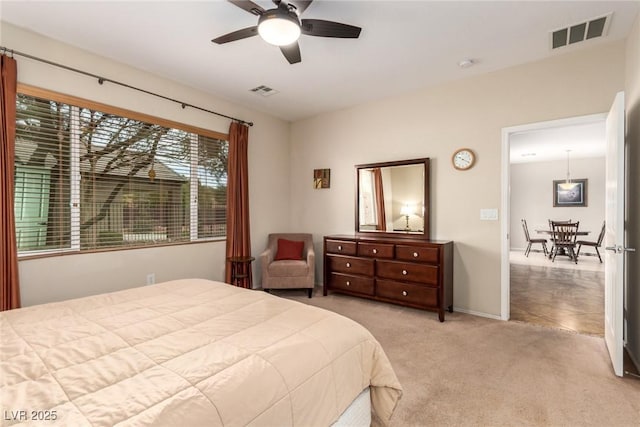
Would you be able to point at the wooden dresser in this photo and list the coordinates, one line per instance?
(415, 273)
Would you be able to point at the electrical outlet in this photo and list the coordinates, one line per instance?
(151, 278)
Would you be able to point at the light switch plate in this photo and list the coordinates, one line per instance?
(489, 214)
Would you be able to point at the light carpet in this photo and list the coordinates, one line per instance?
(474, 371)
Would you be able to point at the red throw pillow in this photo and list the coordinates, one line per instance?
(289, 249)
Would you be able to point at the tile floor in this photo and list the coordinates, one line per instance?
(585, 262)
(558, 294)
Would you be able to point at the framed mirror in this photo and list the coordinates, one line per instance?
(392, 198)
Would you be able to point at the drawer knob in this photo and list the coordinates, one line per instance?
(348, 283)
(339, 247)
(348, 264)
(415, 254)
(404, 272)
(375, 251)
(405, 293)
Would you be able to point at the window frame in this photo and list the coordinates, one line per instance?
(370, 193)
(75, 103)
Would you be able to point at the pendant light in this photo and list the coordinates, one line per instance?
(568, 184)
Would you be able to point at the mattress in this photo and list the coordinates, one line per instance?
(358, 414)
(188, 352)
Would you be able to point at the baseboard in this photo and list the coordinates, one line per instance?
(588, 254)
(477, 313)
(522, 250)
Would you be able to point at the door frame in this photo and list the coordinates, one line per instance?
(505, 198)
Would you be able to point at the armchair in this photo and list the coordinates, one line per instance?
(288, 273)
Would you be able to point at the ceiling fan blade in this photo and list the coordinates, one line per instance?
(249, 6)
(291, 52)
(321, 28)
(301, 5)
(237, 35)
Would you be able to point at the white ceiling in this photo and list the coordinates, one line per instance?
(585, 140)
(404, 45)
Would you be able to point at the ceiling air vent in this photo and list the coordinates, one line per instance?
(263, 90)
(582, 31)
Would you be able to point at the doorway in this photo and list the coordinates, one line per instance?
(557, 294)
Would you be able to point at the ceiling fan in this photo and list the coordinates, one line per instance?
(281, 26)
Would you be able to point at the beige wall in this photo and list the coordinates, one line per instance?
(64, 277)
(58, 278)
(532, 197)
(632, 92)
(433, 123)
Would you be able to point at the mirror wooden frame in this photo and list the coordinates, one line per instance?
(427, 205)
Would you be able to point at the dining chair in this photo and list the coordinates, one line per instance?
(595, 245)
(551, 221)
(531, 241)
(565, 221)
(563, 236)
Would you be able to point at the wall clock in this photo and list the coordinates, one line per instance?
(463, 159)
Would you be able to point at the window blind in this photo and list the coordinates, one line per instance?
(90, 180)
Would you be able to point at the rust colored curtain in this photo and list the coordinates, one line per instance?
(238, 230)
(380, 215)
(9, 285)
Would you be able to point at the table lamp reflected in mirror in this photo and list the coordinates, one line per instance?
(407, 210)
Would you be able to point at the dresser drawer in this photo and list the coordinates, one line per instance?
(362, 285)
(341, 247)
(407, 271)
(417, 253)
(375, 250)
(350, 265)
(407, 293)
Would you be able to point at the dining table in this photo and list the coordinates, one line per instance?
(549, 231)
(578, 233)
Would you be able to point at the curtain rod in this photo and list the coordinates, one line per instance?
(101, 80)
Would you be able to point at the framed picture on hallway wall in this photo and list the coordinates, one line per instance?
(321, 178)
(575, 195)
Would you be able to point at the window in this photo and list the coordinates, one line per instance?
(88, 179)
(368, 215)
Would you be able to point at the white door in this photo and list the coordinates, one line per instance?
(614, 237)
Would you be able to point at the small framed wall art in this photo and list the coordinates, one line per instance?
(321, 178)
(573, 193)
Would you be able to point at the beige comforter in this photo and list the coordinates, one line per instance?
(187, 353)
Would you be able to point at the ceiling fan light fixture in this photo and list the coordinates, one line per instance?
(282, 26)
(278, 27)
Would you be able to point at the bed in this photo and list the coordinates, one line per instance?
(188, 352)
